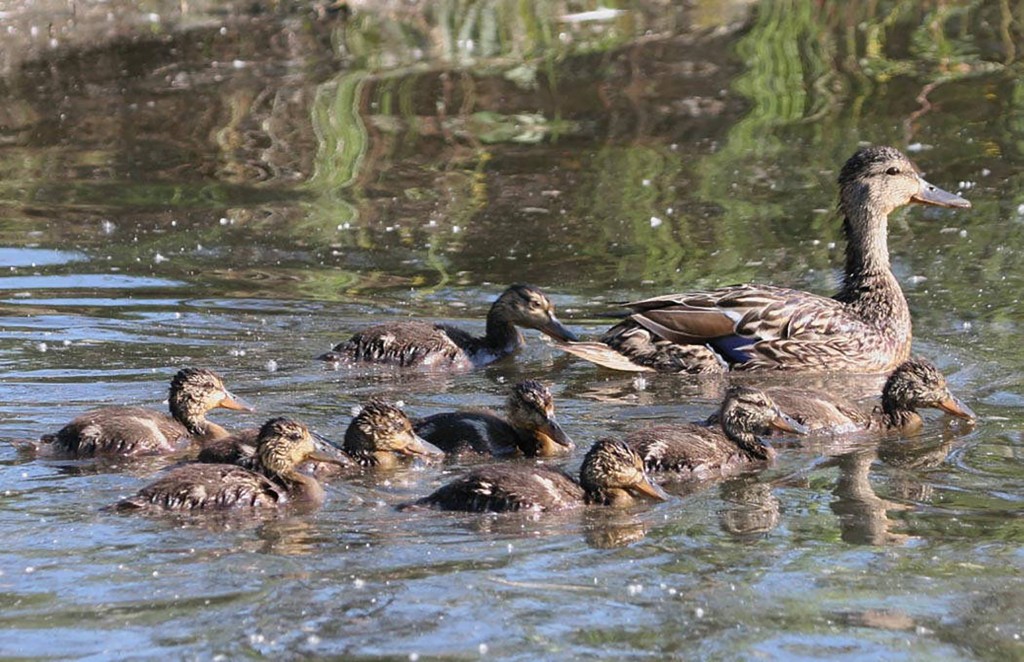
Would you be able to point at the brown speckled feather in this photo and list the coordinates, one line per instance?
(508, 487)
(207, 486)
(119, 431)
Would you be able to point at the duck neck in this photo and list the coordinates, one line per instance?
(195, 421)
(750, 444)
(300, 486)
(899, 418)
(373, 459)
(608, 497)
(867, 253)
(502, 336)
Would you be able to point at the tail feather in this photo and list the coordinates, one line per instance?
(602, 355)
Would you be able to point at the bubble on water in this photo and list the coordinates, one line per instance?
(41, 347)
(483, 649)
(237, 352)
(158, 258)
(456, 229)
(313, 640)
(414, 657)
(224, 221)
(270, 365)
(655, 221)
(645, 182)
(635, 589)
(29, 570)
(699, 612)
(358, 583)
(640, 382)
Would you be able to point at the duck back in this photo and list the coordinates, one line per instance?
(119, 431)
(196, 487)
(507, 488)
(470, 431)
(684, 449)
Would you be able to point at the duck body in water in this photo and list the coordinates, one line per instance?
(611, 474)
(529, 427)
(274, 481)
(693, 449)
(129, 431)
(864, 328)
(915, 384)
(433, 346)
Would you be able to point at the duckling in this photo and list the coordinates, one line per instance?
(915, 383)
(699, 450)
(611, 474)
(282, 444)
(128, 431)
(864, 328)
(378, 435)
(381, 433)
(530, 428)
(435, 346)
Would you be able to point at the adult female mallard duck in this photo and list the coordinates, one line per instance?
(282, 444)
(530, 427)
(703, 450)
(864, 328)
(436, 346)
(127, 431)
(611, 474)
(378, 436)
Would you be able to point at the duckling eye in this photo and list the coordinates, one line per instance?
(892, 171)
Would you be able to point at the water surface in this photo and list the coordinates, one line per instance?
(242, 191)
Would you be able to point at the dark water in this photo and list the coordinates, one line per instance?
(241, 191)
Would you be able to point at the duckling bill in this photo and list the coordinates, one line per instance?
(611, 474)
(433, 346)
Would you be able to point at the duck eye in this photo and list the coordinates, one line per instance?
(892, 171)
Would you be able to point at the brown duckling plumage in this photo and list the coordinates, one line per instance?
(703, 450)
(127, 431)
(379, 436)
(611, 474)
(864, 328)
(914, 384)
(529, 427)
(435, 346)
(282, 445)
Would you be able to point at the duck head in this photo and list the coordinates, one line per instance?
(531, 407)
(381, 432)
(917, 383)
(195, 391)
(612, 473)
(528, 307)
(883, 178)
(747, 413)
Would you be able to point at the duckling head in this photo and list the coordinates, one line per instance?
(195, 391)
(380, 432)
(531, 407)
(528, 307)
(747, 413)
(917, 383)
(612, 473)
(282, 444)
(883, 178)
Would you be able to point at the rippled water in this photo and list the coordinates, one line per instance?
(240, 192)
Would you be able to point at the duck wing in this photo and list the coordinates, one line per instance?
(207, 487)
(685, 449)
(505, 488)
(403, 344)
(118, 431)
(763, 326)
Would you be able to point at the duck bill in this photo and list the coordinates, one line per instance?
(553, 431)
(229, 401)
(952, 405)
(933, 195)
(788, 424)
(417, 446)
(324, 441)
(651, 490)
(557, 330)
(317, 456)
